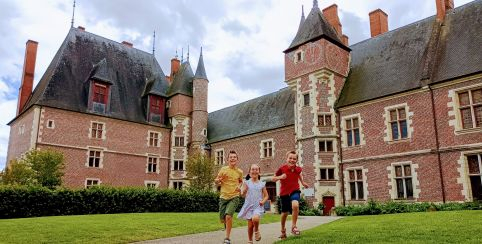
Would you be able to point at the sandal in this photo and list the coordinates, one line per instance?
(227, 241)
(257, 235)
(295, 231)
(283, 234)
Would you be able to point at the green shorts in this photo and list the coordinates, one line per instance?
(227, 207)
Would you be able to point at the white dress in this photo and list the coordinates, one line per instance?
(251, 205)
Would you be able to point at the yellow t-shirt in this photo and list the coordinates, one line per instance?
(229, 184)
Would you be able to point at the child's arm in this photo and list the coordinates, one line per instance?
(265, 196)
(302, 181)
(219, 179)
(245, 190)
(279, 175)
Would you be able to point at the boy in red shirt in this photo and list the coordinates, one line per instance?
(289, 174)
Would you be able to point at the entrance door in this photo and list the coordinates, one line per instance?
(329, 203)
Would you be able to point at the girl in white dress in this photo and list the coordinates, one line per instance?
(255, 194)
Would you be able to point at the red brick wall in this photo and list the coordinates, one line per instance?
(20, 143)
(180, 104)
(200, 108)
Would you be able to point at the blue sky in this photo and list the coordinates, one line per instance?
(242, 40)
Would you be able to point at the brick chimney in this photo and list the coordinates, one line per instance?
(81, 28)
(378, 22)
(442, 7)
(175, 65)
(127, 43)
(344, 39)
(331, 15)
(27, 76)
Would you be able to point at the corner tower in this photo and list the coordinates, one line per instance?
(316, 65)
(200, 107)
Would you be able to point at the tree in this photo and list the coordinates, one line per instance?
(201, 171)
(18, 173)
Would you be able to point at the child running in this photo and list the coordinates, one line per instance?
(289, 174)
(255, 193)
(229, 178)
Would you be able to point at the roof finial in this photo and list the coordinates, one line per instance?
(182, 54)
(302, 12)
(315, 3)
(73, 12)
(188, 53)
(176, 54)
(154, 43)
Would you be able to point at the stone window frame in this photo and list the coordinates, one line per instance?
(299, 56)
(454, 110)
(168, 104)
(344, 139)
(262, 148)
(218, 157)
(91, 129)
(327, 173)
(319, 141)
(50, 124)
(151, 184)
(178, 184)
(149, 170)
(159, 138)
(21, 129)
(92, 180)
(177, 141)
(205, 132)
(178, 161)
(388, 136)
(101, 157)
(364, 180)
(324, 119)
(466, 175)
(303, 99)
(393, 181)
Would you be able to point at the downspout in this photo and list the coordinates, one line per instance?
(437, 143)
(340, 166)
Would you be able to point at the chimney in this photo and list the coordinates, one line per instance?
(442, 7)
(81, 28)
(175, 65)
(27, 76)
(127, 44)
(331, 15)
(344, 39)
(378, 22)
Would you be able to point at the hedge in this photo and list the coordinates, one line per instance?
(22, 201)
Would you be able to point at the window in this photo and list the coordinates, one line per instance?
(155, 109)
(205, 132)
(99, 98)
(324, 120)
(179, 165)
(168, 104)
(327, 174)
(398, 123)
(471, 108)
(21, 129)
(94, 158)
(220, 157)
(177, 185)
(403, 181)
(96, 130)
(267, 149)
(325, 146)
(271, 189)
(352, 132)
(151, 164)
(151, 184)
(356, 184)
(91, 182)
(50, 124)
(179, 141)
(153, 139)
(306, 99)
(475, 175)
(298, 56)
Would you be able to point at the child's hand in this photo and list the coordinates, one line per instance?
(282, 177)
(304, 184)
(261, 203)
(245, 189)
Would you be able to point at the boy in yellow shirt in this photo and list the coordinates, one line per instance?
(230, 178)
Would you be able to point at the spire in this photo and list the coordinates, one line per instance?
(200, 71)
(73, 12)
(187, 53)
(182, 55)
(154, 43)
(315, 3)
(302, 16)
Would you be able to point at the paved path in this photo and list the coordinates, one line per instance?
(269, 232)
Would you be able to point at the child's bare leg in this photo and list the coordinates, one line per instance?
(284, 216)
(295, 206)
(250, 230)
(256, 222)
(229, 225)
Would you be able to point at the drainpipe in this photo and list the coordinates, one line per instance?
(340, 166)
(437, 143)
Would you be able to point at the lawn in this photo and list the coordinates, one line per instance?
(111, 228)
(427, 227)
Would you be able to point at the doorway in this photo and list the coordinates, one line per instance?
(329, 203)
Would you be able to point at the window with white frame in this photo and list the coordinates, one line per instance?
(154, 139)
(352, 130)
(306, 99)
(151, 184)
(403, 181)
(179, 141)
(91, 182)
(205, 132)
(470, 109)
(152, 164)
(475, 165)
(299, 56)
(355, 179)
(168, 103)
(220, 157)
(178, 165)
(94, 159)
(97, 130)
(398, 123)
(177, 185)
(324, 120)
(50, 124)
(21, 129)
(327, 174)
(325, 146)
(267, 148)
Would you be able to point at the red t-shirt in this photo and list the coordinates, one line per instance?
(290, 184)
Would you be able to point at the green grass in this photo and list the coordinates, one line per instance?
(112, 228)
(426, 227)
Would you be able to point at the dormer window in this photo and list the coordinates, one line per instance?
(100, 97)
(156, 109)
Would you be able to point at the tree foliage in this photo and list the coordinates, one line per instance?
(201, 171)
(37, 167)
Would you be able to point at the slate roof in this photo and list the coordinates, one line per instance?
(271, 111)
(84, 55)
(200, 70)
(182, 82)
(394, 62)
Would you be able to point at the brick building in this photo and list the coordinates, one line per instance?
(395, 117)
